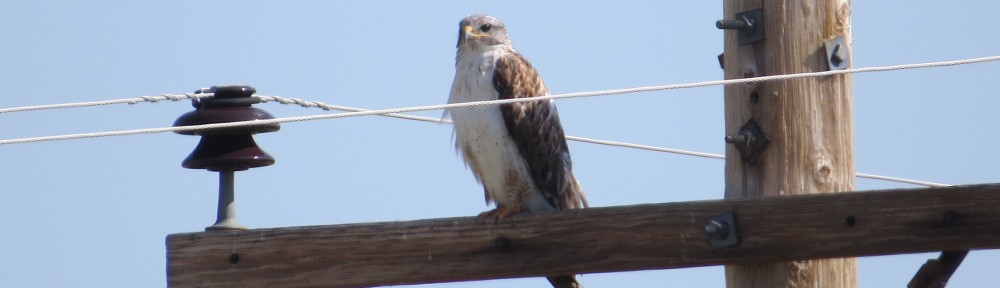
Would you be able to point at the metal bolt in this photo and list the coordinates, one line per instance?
(750, 140)
(744, 138)
(225, 216)
(746, 23)
(741, 139)
(721, 230)
(716, 229)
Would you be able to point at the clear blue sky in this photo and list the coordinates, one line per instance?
(94, 212)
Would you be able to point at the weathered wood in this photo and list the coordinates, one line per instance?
(651, 236)
(808, 122)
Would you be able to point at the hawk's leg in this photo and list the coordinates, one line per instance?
(502, 211)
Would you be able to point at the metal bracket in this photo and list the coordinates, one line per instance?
(749, 24)
(837, 53)
(750, 140)
(721, 230)
(936, 272)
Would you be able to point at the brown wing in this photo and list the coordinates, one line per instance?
(536, 129)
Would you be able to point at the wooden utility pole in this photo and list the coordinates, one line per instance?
(809, 144)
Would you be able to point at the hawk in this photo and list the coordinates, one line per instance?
(517, 151)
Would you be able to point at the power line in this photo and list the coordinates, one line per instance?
(495, 102)
(901, 180)
(509, 101)
(324, 106)
(176, 97)
(396, 112)
(136, 100)
(645, 147)
(723, 157)
(446, 121)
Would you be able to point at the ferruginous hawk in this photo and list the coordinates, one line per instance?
(517, 151)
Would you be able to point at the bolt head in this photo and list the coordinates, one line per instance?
(716, 229)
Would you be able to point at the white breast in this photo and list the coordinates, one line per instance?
(482, 138)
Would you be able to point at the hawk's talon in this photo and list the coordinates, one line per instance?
(501, 212)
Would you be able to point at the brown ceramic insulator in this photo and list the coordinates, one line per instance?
(227, 148)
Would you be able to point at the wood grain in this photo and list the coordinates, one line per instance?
(808, 121)
(640, 237)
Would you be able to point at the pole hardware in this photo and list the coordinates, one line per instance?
(935, 273)
(226, 150)
(721, 230)
(748, 24)
(750, 140)
(837, 53)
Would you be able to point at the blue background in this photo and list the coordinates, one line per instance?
(94, 212)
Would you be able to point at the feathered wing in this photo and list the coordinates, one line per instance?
(536, 129)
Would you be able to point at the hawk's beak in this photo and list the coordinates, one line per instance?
(467, 33)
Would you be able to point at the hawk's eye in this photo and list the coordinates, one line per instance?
(485, 27)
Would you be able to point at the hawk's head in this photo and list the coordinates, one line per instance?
(482, 30)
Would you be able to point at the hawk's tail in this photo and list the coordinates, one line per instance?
(577, 190)
(564, 281)
(577, 198)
